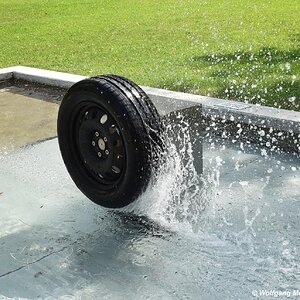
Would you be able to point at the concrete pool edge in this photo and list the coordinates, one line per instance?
(278, 119)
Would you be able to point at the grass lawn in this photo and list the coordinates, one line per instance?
(238, 49)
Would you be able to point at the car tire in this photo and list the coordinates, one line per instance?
(110, 138)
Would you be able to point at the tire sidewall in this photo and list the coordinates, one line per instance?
(135, 138)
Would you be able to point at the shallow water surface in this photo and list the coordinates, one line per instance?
(225, 234)
(231, 232)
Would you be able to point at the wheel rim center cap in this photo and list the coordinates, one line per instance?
(101, 144)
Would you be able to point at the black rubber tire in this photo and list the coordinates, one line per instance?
(138, 133)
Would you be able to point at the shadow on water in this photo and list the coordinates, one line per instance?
(142, 224)
(267, 77)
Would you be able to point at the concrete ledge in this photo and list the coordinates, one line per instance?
(278, 119)
(6, 74)
(52, 78)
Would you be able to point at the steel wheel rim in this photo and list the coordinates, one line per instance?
(99, 144)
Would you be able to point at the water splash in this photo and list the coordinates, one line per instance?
(179, 195)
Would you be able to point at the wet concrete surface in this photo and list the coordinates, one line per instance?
(25, 118)
(235, 235)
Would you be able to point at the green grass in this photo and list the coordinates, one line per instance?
(238, 49)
